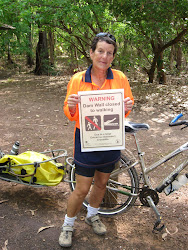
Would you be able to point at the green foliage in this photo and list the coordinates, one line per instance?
(11, 13)
(157, 25)
(140, 27)
(152, 20)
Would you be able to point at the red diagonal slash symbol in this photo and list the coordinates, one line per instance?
(95, 125)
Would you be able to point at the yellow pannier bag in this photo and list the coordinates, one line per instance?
(31, 165)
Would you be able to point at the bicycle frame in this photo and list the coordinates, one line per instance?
(165, 182)
(145, 170)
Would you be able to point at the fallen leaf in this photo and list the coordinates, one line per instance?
(14, 184)
(164, 235)
(32, 211)
(5, 246)
(44, 228)
(176, 230)
(2, 217)
(60, 204)
(3, 201)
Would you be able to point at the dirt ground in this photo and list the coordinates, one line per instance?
(31, 111)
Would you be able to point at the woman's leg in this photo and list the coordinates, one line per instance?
(78, 195)
(98, 189)
(96, 196)
(73, 207)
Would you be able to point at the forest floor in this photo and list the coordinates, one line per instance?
(31, 111)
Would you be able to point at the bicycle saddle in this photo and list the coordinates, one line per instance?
(133, 127)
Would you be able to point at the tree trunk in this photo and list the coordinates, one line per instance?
(171, 58)
(158, 49)
(42, 56)
(151, 71)
(10, 61)
(51, 46)
(30, 61)
(76, 56)
(178, 57)
(160, 70)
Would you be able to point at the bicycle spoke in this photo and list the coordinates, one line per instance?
(122, 189)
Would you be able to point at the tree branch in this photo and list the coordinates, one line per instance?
(175, 40)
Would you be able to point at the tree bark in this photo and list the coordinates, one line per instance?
(51, 46)
(151, 71)
(160, 70)
(171, 58)
(10, 61)
(42, 56)
(30, 61)
(178, 57)
(158, 49)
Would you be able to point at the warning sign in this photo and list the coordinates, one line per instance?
(101, 115)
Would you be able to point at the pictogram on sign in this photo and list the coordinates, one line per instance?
(111, 122)
(93, 123)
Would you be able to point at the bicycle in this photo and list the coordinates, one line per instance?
(124, 185)
(127, 187)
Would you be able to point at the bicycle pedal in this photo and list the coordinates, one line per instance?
(158, 228)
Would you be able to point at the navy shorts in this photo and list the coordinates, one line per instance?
(90, 172)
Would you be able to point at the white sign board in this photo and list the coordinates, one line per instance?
(101, 115)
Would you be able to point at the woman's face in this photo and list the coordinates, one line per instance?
(103, 55)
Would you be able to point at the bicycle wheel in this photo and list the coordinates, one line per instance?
(122, 189)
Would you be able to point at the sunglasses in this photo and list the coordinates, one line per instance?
(106, 34)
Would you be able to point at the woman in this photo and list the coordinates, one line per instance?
(92, 165)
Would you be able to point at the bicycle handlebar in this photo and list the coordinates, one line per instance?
(175, 123)
(176, 118)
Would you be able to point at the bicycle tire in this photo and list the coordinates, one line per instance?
(127, 177)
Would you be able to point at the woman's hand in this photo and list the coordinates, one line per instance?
(72, 101)
(128, 104)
